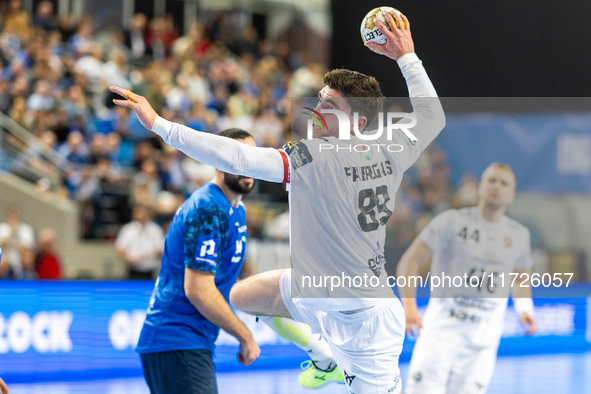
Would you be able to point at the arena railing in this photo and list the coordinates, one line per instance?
(18, 150)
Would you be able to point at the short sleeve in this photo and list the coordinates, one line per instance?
(308, 167)
(204, 237)
(525, 261)
(437, 234)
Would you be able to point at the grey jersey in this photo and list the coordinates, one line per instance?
(340, 201)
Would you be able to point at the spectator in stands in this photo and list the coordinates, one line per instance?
(42, 99)
(195, 79)
(116, 70)
(149, 178)
(17, 241)
(40, 153)
(156, 38)
(267, 129)
(83, 37)
(4, 94)
(18, 21)
(135, 37)
(48, 263)
(108, 176)
(75, 149)
(97, 147)
(113, 148)
(140, 244)
(18, 111)
(5, 270)
(44, 18)
(75, 104)
(90, 64)
(197, 85)
(177, 98)
(67, 27)
(28, 271)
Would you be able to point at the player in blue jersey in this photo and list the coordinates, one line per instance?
(203, 253)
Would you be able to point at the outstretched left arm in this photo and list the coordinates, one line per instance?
(225, 154)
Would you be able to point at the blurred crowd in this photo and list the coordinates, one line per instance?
(54, 80)
(23, 256)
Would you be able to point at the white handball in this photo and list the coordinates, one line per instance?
(369, 31)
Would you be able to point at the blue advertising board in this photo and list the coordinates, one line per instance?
(549, 153)
(85, 330)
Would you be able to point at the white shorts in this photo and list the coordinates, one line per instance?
(365, 345)
(441, 366)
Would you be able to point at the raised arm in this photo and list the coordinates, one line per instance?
(225, 154)
(426, 105)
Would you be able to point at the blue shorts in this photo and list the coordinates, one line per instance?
(180, 371)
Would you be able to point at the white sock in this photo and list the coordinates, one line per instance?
(301, 335)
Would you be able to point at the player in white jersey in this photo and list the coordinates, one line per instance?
(459, 335)
(339, 205)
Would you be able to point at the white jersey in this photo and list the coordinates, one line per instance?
(463, 242)
(340, 201)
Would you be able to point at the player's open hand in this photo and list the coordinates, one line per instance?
(399, 41)
(528, 321)
(414, 320)
(3, 387)
(249, 351)
(144, 111)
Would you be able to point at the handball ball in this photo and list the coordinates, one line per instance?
(369, 31)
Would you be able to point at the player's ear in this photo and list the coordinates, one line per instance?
(361, 123)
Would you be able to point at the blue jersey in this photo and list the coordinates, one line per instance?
(206, 234)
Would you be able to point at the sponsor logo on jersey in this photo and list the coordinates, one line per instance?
(299, 154)
(508, 242)
(207, 250)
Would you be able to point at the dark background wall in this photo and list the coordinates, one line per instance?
(473, 49)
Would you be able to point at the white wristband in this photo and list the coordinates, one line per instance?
(407, 59)
(522, 305)
(161, 127)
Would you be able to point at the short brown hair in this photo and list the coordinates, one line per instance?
(236, 134)
(354, 84)
(502, 166)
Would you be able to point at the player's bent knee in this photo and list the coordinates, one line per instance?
(237, 296)
(259, 294)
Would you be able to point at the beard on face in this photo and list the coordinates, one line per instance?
(233, 182)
